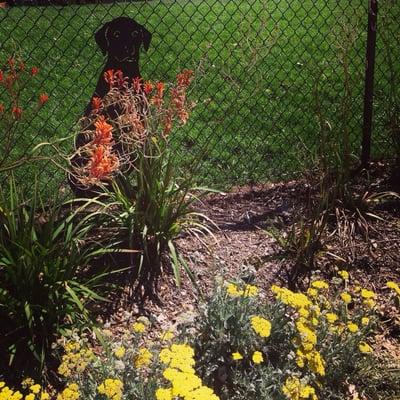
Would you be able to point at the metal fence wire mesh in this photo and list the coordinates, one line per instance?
(257, 65)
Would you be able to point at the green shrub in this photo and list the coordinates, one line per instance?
(43, 282)
(251, 349)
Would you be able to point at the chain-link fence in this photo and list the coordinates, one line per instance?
(259, 66)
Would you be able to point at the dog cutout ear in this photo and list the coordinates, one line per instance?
(146, 37)
(101, 38)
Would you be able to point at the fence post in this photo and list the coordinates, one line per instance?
(369, 82)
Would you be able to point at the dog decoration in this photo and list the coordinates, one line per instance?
(121, 40)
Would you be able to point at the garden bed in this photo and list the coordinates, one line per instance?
(242, 248)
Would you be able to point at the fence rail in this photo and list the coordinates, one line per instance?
(258, 64)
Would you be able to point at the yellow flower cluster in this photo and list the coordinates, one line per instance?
(261, 326)
(306, 323)
(75, 360)
(112, 389)
(180, 372)
(237, 356)
(119, 352)
(320, 285)
(36, 392)
(286, 296)
(344, 275)
(143, 359)
(346, 297)
(138, 327)
(294, 389)
(257, 357)
(7, 394)
(71, 392)
(394, 286)
(248, 290)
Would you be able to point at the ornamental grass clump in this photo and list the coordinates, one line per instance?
(45, 284)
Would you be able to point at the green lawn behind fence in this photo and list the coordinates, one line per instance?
(257, 65)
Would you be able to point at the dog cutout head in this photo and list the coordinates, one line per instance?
(122, 38)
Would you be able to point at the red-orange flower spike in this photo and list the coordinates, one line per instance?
(1, 76)
(2, 108)
(148, 87)
(97, 103)
(160, 89)
(103, 133)
(34, 71)
(184, 78)
(102, 163)
(43, 98)
(137, 84)
(167, 124)
(17, 112)
(109, 77)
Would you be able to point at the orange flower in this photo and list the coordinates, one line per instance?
(103, 133)
(137, 84)
(148, 87)
(109, 77)
(160, 89)
(17, 111)
(102, 163)
(157, 99)
(43, 98)
(114, 78)
(34, 71)
(1, 108)
(10, 79)
(97, 103)
(167, 123)
(184, 78)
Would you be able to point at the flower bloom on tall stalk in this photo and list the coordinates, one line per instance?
(112, 389)
(394, 286)
(257, 357)
(34, 71)
(157, 99)
(365, 347)
(97, 104)
(320, 285)
(344, 275)
(43, 98)
(294, 389)
(248, 291)
(71, 392)
(237, 356)
(148, 88)
(102, 164)
(103, 132)
(7, 394)
(17, 112)
(261, 326)
(115, 78)
(180, 372)
(144, 358)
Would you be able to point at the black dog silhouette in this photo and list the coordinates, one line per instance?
(121, 40)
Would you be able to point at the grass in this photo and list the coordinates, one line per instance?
(257, 63)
